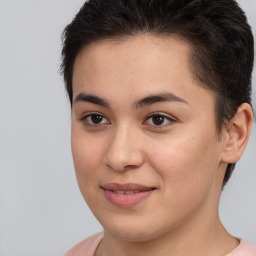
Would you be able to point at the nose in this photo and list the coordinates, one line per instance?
(124, 151)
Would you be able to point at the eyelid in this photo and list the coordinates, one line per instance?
(168, 117)
(88, 114)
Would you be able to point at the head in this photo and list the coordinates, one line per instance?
(221, 57)
(160, 97)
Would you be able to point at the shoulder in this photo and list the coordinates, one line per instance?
(86, 247)
(245, 248)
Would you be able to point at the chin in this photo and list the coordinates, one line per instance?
(134, 231)
(132, 235)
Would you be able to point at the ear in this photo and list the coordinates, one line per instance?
(236, 134)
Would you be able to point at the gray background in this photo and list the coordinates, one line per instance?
(41, 209)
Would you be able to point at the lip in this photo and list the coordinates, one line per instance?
(126, 200)
(126, 187)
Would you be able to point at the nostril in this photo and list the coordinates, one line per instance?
(124, 161)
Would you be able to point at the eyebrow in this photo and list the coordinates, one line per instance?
(160, 97)
(82, 97)
(149, 100)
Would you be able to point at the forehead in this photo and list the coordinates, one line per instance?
(144, 47)
(136, 66)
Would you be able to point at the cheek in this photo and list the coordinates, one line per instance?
(87, 155)
(185, 163)
(187, 169)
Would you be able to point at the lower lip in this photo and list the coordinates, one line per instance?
(123, 200)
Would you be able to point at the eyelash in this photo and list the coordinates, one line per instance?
(165, 117)
(157, 114)
(87, 123)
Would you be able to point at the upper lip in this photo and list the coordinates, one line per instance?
(126, 187)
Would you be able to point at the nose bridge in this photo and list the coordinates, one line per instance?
(124, 148)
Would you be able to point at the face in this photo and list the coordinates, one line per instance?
(144, 142)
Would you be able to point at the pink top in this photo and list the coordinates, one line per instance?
(243, 249)
(88, 246)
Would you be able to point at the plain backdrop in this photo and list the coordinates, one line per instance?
(41, 209)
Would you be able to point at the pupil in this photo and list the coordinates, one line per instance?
(157, 120)
(96, 118)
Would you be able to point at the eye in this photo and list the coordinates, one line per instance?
(160, 120)
(94, 119)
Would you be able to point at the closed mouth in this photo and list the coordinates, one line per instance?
(127, 189)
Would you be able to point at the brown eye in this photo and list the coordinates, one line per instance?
(159, 120)
(94, 119)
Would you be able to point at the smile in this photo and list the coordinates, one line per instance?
(126, 195)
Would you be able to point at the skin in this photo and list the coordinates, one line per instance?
(183, 158)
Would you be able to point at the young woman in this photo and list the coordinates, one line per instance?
(160, 97)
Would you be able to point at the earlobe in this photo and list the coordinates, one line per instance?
(237, 134)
